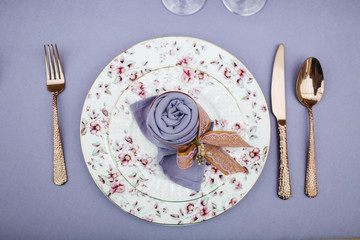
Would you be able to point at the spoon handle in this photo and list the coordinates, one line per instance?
(311, 189)
(284, 190)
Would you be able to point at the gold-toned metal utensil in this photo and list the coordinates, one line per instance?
(309, 90)
(279, 110)
(55, 82)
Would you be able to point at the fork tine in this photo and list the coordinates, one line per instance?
(46, 64)
(50, 64)
(59, 63)
(55, 63)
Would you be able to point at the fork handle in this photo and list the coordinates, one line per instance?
(284, 190)
(60, 176)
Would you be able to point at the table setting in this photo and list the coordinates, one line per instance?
(180, 118)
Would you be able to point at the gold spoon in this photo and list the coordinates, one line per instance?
(309, 90)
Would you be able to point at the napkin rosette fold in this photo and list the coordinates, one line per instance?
(181, 129)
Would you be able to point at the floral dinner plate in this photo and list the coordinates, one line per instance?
(123, 163)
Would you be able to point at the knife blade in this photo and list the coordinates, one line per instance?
(278, 85)
(278, 106)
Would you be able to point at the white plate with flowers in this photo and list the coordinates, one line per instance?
(122, 161)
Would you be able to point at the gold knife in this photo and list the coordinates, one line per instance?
(279, 111)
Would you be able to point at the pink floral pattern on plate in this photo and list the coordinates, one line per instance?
(120, 74)
(139, 166)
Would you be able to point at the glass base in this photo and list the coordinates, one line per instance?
(183, 7)
(244, 7)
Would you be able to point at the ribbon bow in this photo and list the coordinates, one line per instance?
(209, 144)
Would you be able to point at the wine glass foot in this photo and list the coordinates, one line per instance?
(244, 7)
(183, 7)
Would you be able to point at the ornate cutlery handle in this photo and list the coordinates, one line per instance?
(311, 189)
(59, 162)
(284, 191)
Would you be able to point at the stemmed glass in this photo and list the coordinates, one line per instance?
(244, 7)
(183, 7)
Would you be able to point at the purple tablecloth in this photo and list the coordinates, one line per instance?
(90, 33)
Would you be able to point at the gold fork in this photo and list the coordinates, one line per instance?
(55, 82)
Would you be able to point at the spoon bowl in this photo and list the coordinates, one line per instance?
(310, 82)
(309, 90)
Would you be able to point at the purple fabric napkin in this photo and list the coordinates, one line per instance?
(173, 119)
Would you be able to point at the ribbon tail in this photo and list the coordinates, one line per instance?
(185, 157)
(222, 161)
(224, 139)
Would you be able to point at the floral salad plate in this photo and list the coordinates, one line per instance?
(123, 162)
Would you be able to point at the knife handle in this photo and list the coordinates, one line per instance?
(284, 191)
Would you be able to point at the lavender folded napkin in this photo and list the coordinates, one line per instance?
(173, 119)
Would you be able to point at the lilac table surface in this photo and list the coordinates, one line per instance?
(90, 33)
